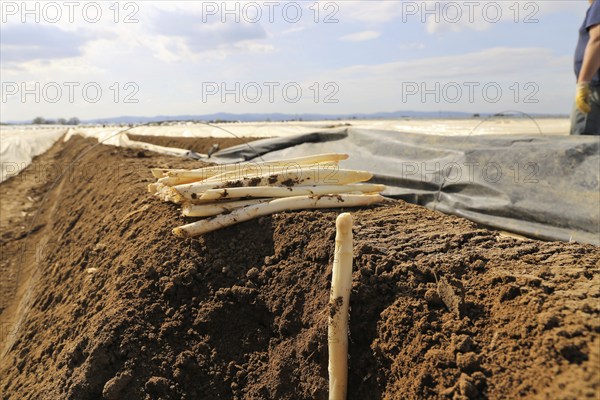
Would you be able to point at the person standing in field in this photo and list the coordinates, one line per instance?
(585, 119)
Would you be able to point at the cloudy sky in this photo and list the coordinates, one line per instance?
(146, 58)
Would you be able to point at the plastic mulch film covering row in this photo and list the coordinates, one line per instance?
(545, 187)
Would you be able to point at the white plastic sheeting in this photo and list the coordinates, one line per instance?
(547, 187)
(19, 145)
(117, 137)
(449, 127)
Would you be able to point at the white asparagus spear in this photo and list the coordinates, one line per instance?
(307, 176)
(207, 172)
(275, 206)
(153, 187)
(163, 192)
(339, 301)
(175, 180)
(159, 172)
(199, 173)
(252, 171)
(278, 191)
(212, 209)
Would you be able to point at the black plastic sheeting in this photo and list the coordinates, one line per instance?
(545, 187)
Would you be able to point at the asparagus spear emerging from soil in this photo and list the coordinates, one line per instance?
(339, 300)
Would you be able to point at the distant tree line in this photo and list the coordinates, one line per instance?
(60, 121)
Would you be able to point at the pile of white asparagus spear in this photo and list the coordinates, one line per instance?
(231, 193)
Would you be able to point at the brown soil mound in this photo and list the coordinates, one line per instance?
(440, 308)
(199, 145)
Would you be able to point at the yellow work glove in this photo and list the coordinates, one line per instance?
(583, 97)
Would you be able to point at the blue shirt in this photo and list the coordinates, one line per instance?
(592, 18)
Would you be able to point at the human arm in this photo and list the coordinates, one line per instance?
(591, 65)
(591, 58)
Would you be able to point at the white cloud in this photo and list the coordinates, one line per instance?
(368, 12)
(361, 36)
(412, 46)
(451, 15)
(294, 29)
(170, 62)
(255, 47)
(456, 16)
(514, 70)
(489, 62)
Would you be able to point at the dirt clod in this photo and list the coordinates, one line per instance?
(468, 362)
(451, 292)
(113, 389)
(433, 298)
(467, 387)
